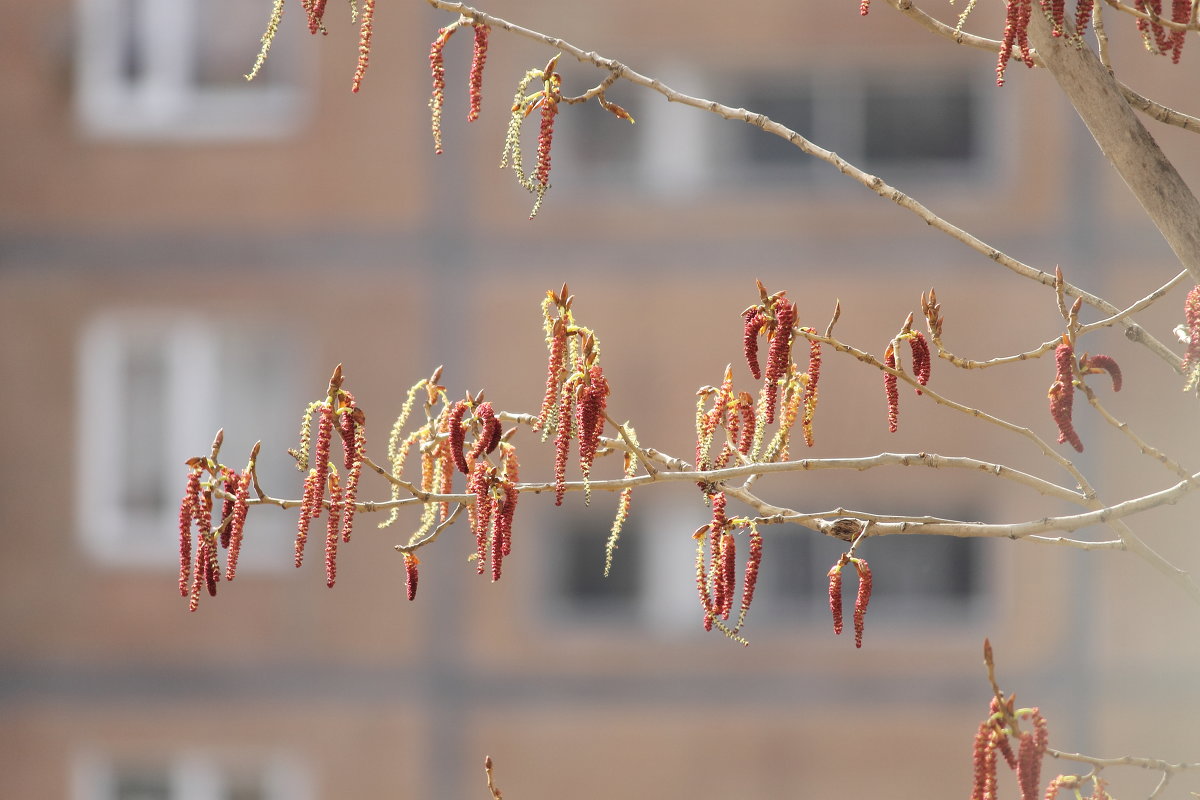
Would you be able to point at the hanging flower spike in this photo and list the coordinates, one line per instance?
(835, 594)
(706, 602)
(1191, 316)
(864, 7)
(332, 529)
(458, 435)
(315, 9)
(727, 576)
(324, 442)
(1016, 33)
(562, 439)
(1056, 10)
(623, 503)
(541, 173)
(748, 423)
(489, 433)
(350, 496)
(753, 562)
(863, 598)
(558, 350)
(1062, 395)
(922, 363)
(366, 17)
(307, 501)
(1029, 758)
(1181, 11)
(237, 524)
(188, 507)
(754, 320)
(410, 575)
(437, 66)
(511, 476)
(811, 391)
(480, 485)
(891, 389)
(1083, 15)
(478, 57)
(590, 419)
(779, 353)
(267, 38)
(984, 762)
(1090, 365)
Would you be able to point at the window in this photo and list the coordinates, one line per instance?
(578, 573)
(190, 776)
(154, 387)
(173, 70)
(910, 126)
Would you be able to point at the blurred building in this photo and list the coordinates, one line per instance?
(182, 251)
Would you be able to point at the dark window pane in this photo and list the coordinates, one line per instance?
(142, 784)
(919, 122)
(582, 584)
(790, 105)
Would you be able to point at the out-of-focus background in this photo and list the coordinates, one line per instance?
(181, 250)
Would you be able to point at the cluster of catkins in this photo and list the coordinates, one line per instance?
(338, 410)
(861, 600)
(992, 739)
(442, 444)
(437, 66)
(196, 508)
(361, 11)
(576, 390)
(1062, 390)
(922, 365)
(716, 575)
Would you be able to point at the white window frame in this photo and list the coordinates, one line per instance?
(168, 103)
(194, 400)
(192, 775)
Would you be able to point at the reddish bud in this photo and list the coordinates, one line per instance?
(1101, 363)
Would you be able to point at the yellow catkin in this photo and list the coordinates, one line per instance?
(614, 534)
(301, 454)
(267, 38)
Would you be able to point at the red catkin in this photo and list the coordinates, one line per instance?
(727, 576)
(558, 352)
(306, 516)
(541, 173)
(590, 417)
(332, 530)
(779, 354)
(457, 435)
(1102, 363)
(350, 497)
(1083, 15)
(835, 597)
(891, 390)
(229, 485)
(562, 441)
(410, 575)
(366, 19)
(489, 430)
(753, 324)
(475, 83)
(863, 598)
(753, 562)
(237, 524)
(437, 66)
(324, 442)
(480, 485)
(1191, 315)
(1062, 394)
(187, 511)
(922, 362)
